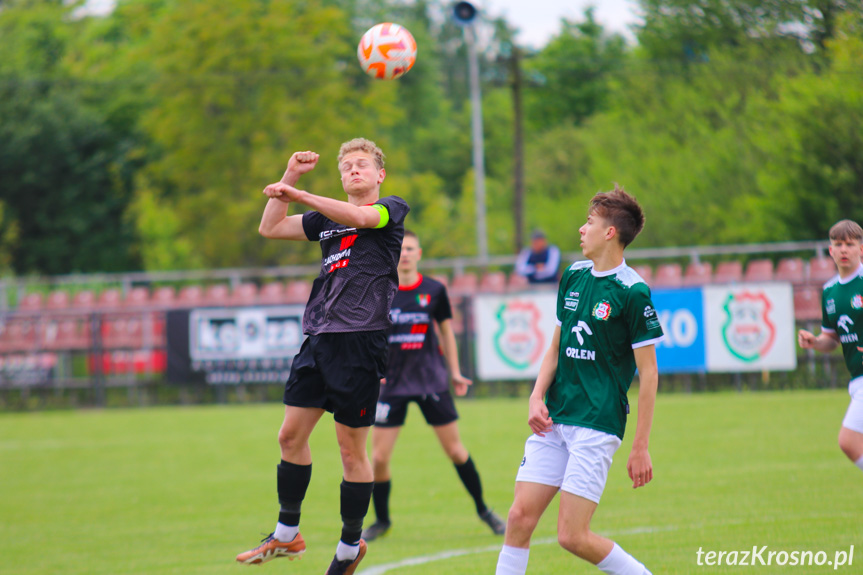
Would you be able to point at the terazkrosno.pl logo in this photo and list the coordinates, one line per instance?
(518, 340)
(748, 332)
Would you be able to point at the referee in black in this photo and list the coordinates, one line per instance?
(341, 362)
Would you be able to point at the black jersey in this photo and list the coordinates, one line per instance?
(359, 274)
(416, 365)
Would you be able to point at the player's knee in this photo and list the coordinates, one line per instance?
(352, 458)
(849, 447)
(521, 518)
(288, 441)
(576, 543)
(380, 462)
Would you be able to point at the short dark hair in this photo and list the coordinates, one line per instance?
(411, 234)
(621, 210)
(846, 230)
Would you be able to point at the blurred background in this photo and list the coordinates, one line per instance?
(135, 139)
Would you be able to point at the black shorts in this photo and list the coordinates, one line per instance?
(437, 408)
(341, 373)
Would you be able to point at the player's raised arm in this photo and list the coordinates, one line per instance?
(639, 466)
(275, 223)
(345, 213)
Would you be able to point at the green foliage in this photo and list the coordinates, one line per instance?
(143, 138)
(570, 78)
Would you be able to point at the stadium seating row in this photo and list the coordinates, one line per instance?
(53, 332)
(793, 269)
(135, 330)
(296, 291)
(670, 275)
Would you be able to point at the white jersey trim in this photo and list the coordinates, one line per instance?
(653, 341)
(839, 279)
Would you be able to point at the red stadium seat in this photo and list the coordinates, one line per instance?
(85, 299)
(698, 274)
(31, 301)
(760, 270)
(465, 283)
(821, 270)
(245, 294)
(298, 291)
(164, 296)
(66, 334)
(137, 296)
(191, 295)
(645, 271)
(58, 300)
(272, 293)
(728, 272)
(807, 303)
(517, 282)
(19, 334)
(668, 276)
(493, 282)
(790, 270)
(217, 294)
(110, 298)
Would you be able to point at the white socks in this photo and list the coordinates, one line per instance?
(619, 562)
(859, 463)
(285, 533)
(512, 561)
(345, 551)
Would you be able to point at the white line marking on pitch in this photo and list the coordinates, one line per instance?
(443, 555)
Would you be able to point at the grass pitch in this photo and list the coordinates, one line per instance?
(183, 490)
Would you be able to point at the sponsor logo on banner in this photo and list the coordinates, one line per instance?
(748, 332)
(518, 340)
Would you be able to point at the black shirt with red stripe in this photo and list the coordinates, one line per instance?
(416, 365)
(359, 275)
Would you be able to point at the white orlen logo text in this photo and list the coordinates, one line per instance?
(845, 323)
(576, 353)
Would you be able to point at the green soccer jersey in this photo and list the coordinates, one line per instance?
(842, 314)
(603, 317)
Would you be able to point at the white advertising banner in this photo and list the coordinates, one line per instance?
(750, 327)
(512, 333)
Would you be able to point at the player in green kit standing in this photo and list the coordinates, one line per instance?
(842, 324)
(606, 328)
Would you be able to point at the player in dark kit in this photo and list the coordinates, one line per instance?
(341, 362)
(416, 372)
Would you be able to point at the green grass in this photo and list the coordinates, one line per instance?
(182, 490)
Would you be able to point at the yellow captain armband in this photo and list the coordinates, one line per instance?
(385, 215)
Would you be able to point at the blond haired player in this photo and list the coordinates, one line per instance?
(341, 362)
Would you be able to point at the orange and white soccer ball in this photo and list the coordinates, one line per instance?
(387, 51)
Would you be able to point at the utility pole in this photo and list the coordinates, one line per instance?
(517, 149)
(465, 13)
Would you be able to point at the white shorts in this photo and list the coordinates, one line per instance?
(574, 459)
(854, 416)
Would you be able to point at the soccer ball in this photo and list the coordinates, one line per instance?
(387, 51)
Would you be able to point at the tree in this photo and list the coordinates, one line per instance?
(572, 76)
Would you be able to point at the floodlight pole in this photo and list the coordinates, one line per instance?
(478, 144)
